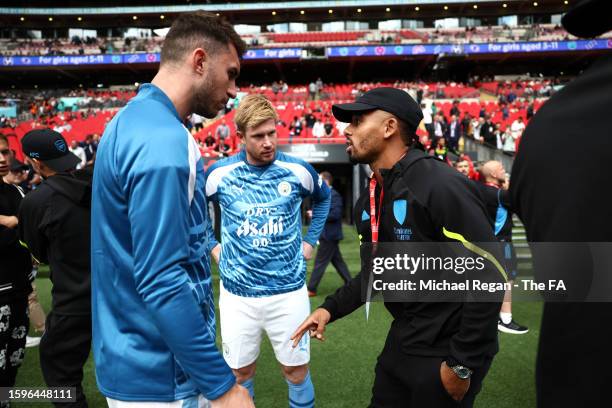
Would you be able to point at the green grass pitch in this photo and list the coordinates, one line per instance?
(342, 367)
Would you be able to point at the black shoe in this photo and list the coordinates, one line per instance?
(512, 327)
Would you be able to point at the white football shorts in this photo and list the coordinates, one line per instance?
(194, 402)
(244, 319)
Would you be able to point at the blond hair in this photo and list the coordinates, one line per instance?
(254, 109)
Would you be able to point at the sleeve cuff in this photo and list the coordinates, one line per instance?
(222, 389)
(331, 307)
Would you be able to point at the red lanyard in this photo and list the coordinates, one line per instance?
(492, 185)
(374, 221)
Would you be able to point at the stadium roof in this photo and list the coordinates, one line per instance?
(144, 6)
(147, 13)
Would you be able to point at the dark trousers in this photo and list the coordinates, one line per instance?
(572, 366)
(64, 349)
(328, 251)
(408, 381)
(14, 325)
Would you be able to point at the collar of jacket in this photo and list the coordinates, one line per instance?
(411, 157)
(154, 92)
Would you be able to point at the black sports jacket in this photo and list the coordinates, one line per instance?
(440, 204)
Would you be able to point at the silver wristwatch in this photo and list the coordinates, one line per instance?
(462, 372)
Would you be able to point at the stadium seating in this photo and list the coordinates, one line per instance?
(294, 103)
(308, 37)
(76, 46)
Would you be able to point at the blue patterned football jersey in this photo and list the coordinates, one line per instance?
(261, 226)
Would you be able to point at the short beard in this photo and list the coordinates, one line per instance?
(201, 101)
(354, 161)
(365, 159)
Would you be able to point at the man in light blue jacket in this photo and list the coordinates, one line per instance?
(152, 303)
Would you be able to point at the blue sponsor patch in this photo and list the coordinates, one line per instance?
(60, 145)
(365, 216)
(400, 209)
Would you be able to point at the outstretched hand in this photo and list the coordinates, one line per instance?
(314, 324)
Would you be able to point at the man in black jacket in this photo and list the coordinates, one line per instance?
(564, 198)
(436, 353)
(15, 267)
(55, 227)
(329, 250)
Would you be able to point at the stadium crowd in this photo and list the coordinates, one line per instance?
(486, 111)
(150, 43)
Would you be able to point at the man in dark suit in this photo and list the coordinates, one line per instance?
(453, 133)
(486, 132)
(329, 240)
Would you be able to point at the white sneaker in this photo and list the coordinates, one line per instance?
(32, 341)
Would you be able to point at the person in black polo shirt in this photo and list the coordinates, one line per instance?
(55, 227)
(436, 353)
(16, 265)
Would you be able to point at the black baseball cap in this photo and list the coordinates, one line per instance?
(49, 147)
(589, 18)
(391, 100)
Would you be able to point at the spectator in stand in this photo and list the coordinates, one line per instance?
(428, 119)
(319, 85)
(90, 146)
(455, 109)
(309, 119)
(79, 152)
(511, 96)
(197, 121)
(209, 141)
(318, 129)
(439, 149)
(329, 128)
(466, 125)
(440, 126)
(483, 111)
(419, 96)
(296, 126)
(530, 110)
(222, 132)
(509, 145)
(517, 128)
(453, 133)
(499, 136)
(224, 149)
(505, 111)
(312, 91)
(487, 132)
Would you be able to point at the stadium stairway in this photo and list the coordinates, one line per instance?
(521, 246)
